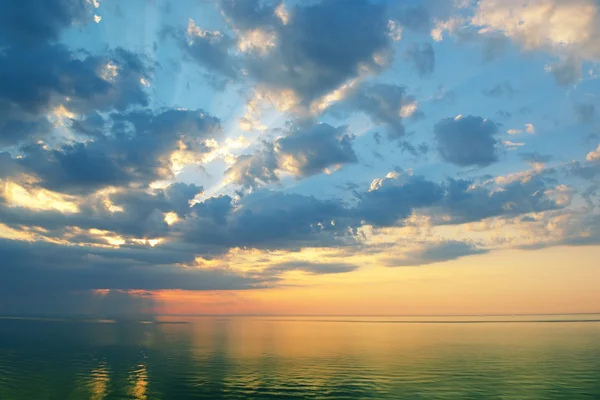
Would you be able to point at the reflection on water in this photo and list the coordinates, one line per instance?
(299, 358)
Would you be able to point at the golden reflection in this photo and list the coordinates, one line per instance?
(99, 378)
(139, 380)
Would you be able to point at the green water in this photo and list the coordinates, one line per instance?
(301, 358)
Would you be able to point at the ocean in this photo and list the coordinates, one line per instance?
(500, 357)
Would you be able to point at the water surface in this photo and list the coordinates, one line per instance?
(525, 357)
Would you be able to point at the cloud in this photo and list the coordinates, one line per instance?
(466, 141)
(31, 22)
(585, 112)
(37, 81)
(588, 169)
(393, 198)
(529, 128)
(306, 150)
(298, 60)
(43, 271)
(568, 29)
(387, 105)
(535, 157)
(314, 268)
(136, 150)
(311, 150)
(267, 219)
(435, 252)
(129, 214)
(254, 170)
(467, 202)
(422, 58)
(500, 90)
(210, 49)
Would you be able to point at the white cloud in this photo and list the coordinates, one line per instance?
(409, 109)
(529, 128)
(569, 29)
(594, 156)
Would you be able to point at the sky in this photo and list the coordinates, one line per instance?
(300, 157)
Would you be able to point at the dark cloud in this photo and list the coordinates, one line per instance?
(431, 253)
(308, 149)
(465, 201)
(31, 22)
(267, 220)
(321, 46)
(315, 148)
(422, 58)
(414, 17)
(313, 268)
(35, 82)
(254, 170)
(40, 272)
(466, 141)
(384, 103)
(135, 151)
(210, 49)
(394, 197)
(140, 215)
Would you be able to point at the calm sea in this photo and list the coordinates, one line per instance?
(302, 358)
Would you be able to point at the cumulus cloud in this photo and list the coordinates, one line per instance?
(37, 81)
(31, 22)
(210, 49)
(387, 105)
(588, 169)
(136, 150)
(297, 60)
(467, 141)
(568, 29)
(393, 198)
(466, 201)
(308, 149)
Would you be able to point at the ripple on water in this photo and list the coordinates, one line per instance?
(252, 359)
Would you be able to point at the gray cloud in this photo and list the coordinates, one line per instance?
(210, 49)
(432, 253)
(500, 90)
(308, 149)
(585, 112)
(316, 148)
(466, 202)
(30, 22)
(393, 199)
(301, 59)
(466, 141)
(383, 103)
(38, 80)
(422, 58)
(135, 151)
(313, 268)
